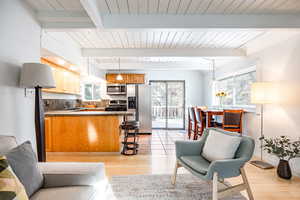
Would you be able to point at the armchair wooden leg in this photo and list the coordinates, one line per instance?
(231, 190)
(243, 173)
(177, 165)
(215, 186)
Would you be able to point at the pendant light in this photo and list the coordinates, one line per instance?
(213, 71)
(119, 76)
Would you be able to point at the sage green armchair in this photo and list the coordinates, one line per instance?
(188, 155)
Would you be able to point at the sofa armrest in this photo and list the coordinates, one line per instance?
(225, 168)
(188, 148)
(60, 174)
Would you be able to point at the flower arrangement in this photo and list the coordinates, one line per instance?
(282, 147)
(221, 94)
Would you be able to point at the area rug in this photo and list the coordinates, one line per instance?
(159, 187)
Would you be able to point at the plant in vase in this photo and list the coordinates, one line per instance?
(285, 150)
(221, 96)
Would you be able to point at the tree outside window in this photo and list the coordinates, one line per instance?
(237, 88)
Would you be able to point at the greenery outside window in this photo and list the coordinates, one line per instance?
(237, 88)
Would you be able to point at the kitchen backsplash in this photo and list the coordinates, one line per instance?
(65, 104)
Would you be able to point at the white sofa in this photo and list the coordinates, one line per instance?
(65, 180)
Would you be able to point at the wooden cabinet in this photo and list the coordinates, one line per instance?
(83, 133)
(112, 78)
(127, 78)
(66, 81)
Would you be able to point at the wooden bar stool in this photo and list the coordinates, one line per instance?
(191, 122)
(200, 122)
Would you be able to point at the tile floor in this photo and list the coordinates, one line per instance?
(161, 142)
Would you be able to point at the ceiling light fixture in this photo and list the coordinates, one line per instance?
(119, 76)
(213, 70)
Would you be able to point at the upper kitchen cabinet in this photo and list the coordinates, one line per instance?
(127, 78)
(67, 81)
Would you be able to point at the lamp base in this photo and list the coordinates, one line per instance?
(261, 164)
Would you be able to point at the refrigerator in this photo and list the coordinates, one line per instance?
(139, 102)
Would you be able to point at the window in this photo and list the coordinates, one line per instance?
(237, 89)
(91, 92)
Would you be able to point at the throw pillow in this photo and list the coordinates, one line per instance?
(220, 146)
(23, 162)
(10, 186)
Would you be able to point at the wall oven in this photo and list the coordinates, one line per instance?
(116, 89)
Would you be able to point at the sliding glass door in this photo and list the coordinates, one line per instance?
(168, 104)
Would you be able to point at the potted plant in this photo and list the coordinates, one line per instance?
(285, 150)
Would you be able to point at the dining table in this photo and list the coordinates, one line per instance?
(209, 113)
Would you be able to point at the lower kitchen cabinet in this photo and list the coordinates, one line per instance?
(83, 133)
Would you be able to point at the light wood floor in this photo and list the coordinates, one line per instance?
(157, 156)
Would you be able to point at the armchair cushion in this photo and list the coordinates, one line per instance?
(220, 146)
(197, 163)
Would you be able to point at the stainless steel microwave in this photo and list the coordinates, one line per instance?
(116, 89)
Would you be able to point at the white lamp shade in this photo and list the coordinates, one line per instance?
(36, 75)
(263, 93)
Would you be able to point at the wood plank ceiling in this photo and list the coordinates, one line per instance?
(168, 38)
(163, 39)
(180, 7)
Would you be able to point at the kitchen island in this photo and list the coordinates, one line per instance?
(83, 131)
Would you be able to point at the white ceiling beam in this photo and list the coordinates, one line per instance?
(202, 21)
(66, 26)
(93, 10)
(155, 66)
(140, 52)
(64, 20)
(93, 18)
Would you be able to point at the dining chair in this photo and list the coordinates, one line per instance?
(232, 120)
(200, 122)
(191, 122)
(189, 155)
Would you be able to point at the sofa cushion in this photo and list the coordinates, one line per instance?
(23, 162)
(220, 145)
(66, 193)
(7, 143)
(197, 163)
(10, 186)
(58, 174)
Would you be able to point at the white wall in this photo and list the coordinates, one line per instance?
(19, 43)
(277, 61)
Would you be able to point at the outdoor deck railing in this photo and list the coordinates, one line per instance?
(174, 112)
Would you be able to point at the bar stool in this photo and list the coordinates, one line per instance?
(191, 122)
(130, 142)
(200, 122)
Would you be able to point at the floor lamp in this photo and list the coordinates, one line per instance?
(38, 76)
(262, 93)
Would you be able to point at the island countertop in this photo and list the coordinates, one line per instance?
(86, 113)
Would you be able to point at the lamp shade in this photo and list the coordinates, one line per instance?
(36, 75)
(263, 93)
